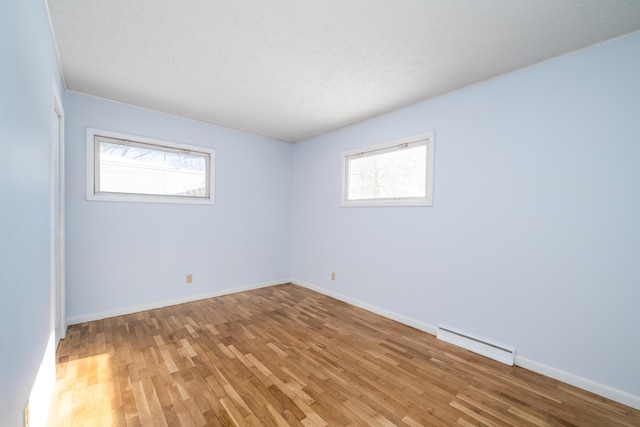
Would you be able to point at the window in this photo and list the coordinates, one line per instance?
(137, 169)
(397, 173)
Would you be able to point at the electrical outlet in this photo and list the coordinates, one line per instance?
(26, 415)
(189, 279)
(333, 275)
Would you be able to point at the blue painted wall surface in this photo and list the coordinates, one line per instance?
(28, 73)
(533, 239)
(122, 255)
(534, 236)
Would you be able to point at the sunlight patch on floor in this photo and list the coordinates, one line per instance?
(87, 395)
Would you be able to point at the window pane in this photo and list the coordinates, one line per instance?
(137, 169)
(396, 174)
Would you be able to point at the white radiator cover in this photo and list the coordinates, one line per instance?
(499, 352)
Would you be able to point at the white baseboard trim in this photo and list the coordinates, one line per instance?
(580, 382)
(566, 377)
(159, 304)
(369, 307)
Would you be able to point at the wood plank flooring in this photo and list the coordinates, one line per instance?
(287, 356)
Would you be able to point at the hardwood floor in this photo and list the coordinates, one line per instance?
(285, 355)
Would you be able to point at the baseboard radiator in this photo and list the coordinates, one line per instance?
(481, 346)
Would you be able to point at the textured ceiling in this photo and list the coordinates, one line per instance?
(294, 69)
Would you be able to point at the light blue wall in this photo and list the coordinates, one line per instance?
(534, 236)
(28, 73)
(123, 255)
(533, 239)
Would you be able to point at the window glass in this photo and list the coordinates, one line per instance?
(400, 173)
(397, 173)
(135, 170)
(145, 169)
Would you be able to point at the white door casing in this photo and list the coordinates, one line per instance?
(57, 252)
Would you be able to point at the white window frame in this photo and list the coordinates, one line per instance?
(92, 170)
(427, 137)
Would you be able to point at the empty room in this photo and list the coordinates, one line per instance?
(330, 213)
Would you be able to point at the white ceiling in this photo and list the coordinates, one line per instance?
(294, 69)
